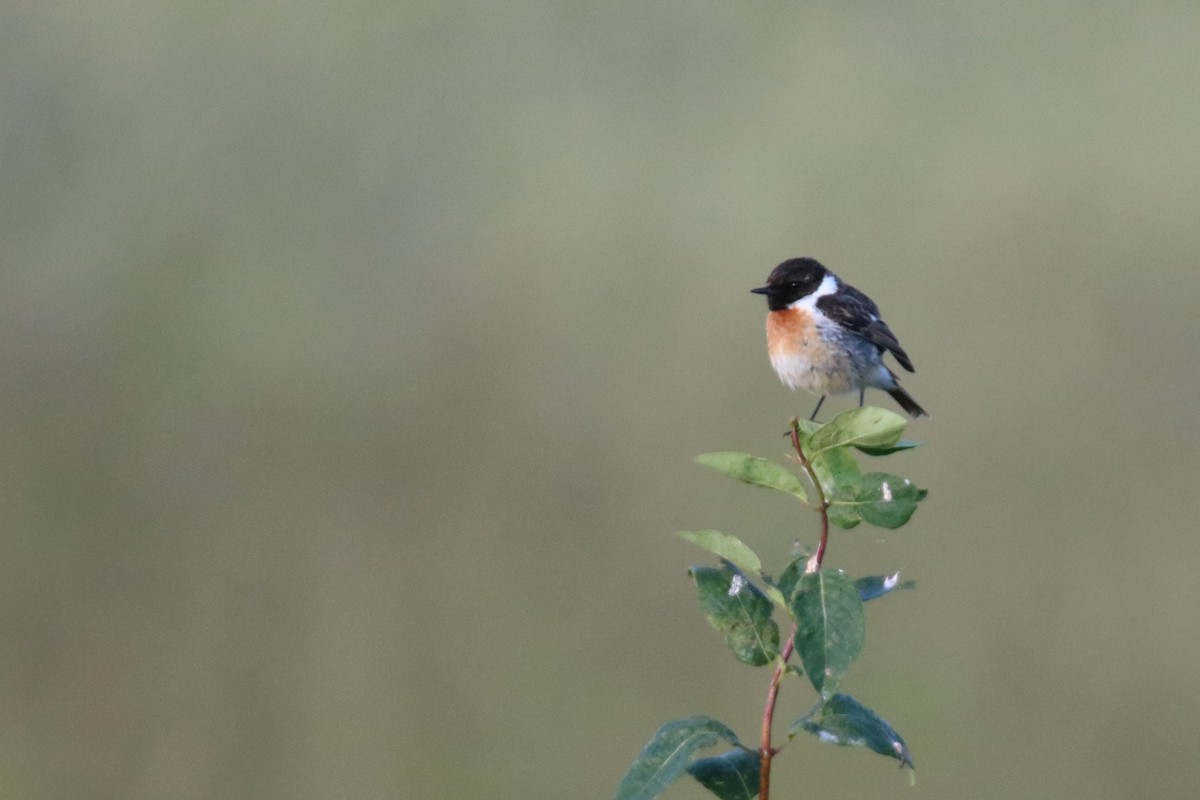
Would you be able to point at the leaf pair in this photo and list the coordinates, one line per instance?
(669, 753)
(734, 774)
(878, 498)
(827, 608)
(736, 606)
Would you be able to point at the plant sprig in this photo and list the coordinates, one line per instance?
(824, 608)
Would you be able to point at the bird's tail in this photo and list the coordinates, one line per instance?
(905, 400)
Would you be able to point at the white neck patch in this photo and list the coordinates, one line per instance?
(828, 286)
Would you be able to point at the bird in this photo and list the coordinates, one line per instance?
(828, 338)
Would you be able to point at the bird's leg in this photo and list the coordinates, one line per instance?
(818, 408)
(861, 396)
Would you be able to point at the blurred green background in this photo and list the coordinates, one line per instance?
(355, 356)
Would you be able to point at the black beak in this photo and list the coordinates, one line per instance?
(762, 290)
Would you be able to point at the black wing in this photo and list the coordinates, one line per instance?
(858, 313)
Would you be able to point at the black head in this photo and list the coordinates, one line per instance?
(792, 280)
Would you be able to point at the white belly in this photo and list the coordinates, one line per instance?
(832, 375)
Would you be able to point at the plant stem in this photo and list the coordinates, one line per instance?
(766, 752)
(818, 558)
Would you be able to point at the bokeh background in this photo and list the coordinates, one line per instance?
(354, 357)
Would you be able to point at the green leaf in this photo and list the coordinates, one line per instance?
(736, 607)
(790, 577)
(887, 450)
(835, 468)
(808, 426)
(667, 755)
(773, 593)
(881, 499)
(781, 590)
(725, 546)
(830, 627)
(837, 471)
(866, 426)
(733, 775)
(843, 720)
(879, 585)
(844, 516)
(754, 470)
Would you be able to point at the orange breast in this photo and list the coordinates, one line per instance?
(791, 332)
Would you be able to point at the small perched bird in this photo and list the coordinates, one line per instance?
(827, 337)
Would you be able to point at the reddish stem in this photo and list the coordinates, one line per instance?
(822, 502)
(766, 752)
